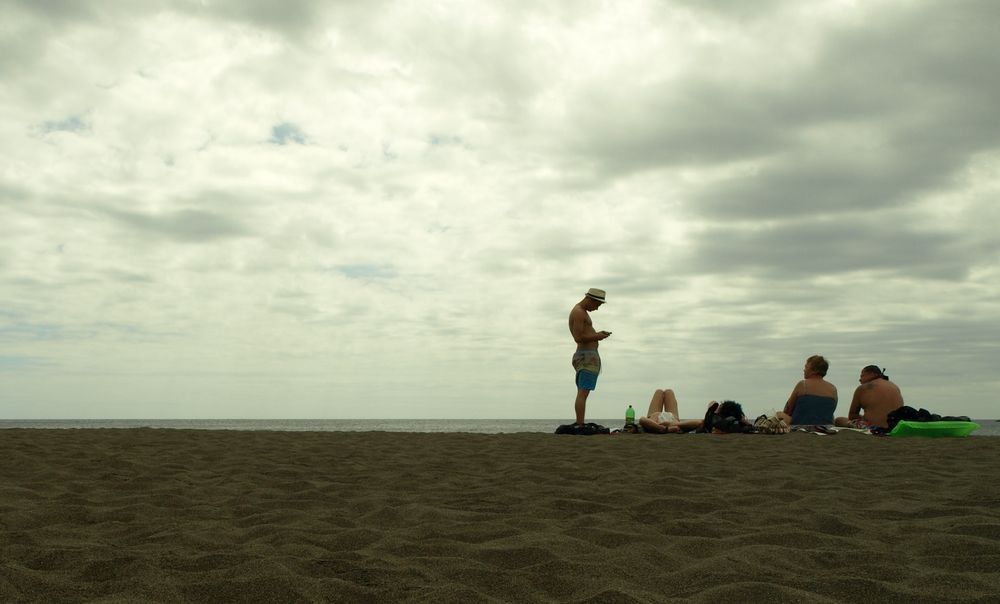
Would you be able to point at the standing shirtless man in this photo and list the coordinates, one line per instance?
(586, 360)
(876, 396)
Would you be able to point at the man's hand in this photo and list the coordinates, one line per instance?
(603, 334)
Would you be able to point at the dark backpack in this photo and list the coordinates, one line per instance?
(904, 413)
(588, 429)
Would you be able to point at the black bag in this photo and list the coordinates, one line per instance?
(588, 429)
(909, 414)
(904, 413)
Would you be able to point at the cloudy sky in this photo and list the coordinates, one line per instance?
(306, 209)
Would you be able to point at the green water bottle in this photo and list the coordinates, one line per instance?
(629, 415)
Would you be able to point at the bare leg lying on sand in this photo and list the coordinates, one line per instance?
(663, 416)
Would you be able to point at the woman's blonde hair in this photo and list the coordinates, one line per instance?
(818, 364)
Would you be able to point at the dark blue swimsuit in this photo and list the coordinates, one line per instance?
(811, 409)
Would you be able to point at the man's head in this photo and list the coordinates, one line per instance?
(594, 298)
(871, 373)
(817, 365)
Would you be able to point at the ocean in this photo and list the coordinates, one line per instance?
(988, 427)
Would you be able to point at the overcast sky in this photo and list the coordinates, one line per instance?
(306, 209)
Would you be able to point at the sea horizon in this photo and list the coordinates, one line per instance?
(988, 427)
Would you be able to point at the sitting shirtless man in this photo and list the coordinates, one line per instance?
(663, 416)
(876, 396)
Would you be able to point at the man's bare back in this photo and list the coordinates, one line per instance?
(877, 397)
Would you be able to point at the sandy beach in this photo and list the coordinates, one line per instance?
(148, 515)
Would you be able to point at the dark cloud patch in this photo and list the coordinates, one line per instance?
(639, 283)
(912, 346)
(735, 9)
(890, 109)
(827, 247)
(188, 226)
(691, 123)
(13, 195)
(913, 51)
(292, 18)
(971, 341)
(22, 43)
(905, 103)
(58, 11)
(824, 183)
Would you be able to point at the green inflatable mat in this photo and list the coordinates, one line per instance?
(934, 429)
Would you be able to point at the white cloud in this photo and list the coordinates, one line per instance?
(223, 209)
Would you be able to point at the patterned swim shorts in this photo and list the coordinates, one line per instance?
(588, 366)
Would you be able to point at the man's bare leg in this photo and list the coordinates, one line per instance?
(581, 404)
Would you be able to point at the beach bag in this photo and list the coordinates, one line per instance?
(904, 413)
(770, 425)
(588, 429)
(909, 414)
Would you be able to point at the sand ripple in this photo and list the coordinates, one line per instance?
(211, 516)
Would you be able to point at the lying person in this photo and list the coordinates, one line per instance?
(664, 417)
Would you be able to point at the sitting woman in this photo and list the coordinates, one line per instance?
(813, 400)
(663, 416)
